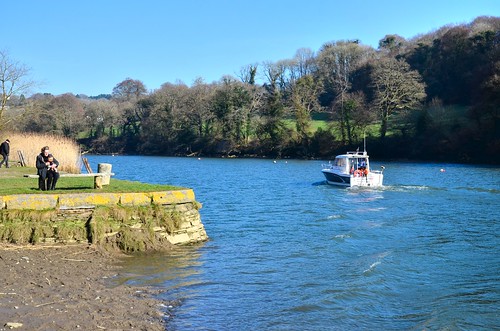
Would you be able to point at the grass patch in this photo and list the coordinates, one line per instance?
(314, 125)
(32, 226)
(13, 182)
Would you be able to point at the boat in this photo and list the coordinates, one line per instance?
(352, 169)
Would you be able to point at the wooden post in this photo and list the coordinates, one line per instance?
(105, 168)
(87, 165)
(21, 158)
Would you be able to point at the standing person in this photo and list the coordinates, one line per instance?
(5, 150)
(46, 179)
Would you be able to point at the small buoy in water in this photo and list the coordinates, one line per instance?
(442, 170)
(199, 158)
(274, 161)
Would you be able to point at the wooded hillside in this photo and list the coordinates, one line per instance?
(433, 97)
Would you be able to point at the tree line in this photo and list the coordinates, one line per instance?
(435, 97)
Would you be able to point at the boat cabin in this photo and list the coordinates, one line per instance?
(351, 162)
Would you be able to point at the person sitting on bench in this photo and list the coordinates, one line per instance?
(47, 170)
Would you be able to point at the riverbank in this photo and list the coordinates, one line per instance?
(70, 287)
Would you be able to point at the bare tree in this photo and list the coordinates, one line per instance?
(13, 80)
(197, 106)
(129, 89)
(336, 63)
(277, 74)
(68, 114)
(248, 73)
(304, 62)
(99, 115)
(397, 89)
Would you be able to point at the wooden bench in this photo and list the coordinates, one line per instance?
(99, 178)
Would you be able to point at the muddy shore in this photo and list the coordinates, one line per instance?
(70, 288)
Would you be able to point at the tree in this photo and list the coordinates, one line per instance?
(305, 62)
(231, 105)
(272, 127)
(99, 115)
(360, 115)
(40, 118)
(305, 93)
(393, 45)
(13, 80)
(198, 106)
(248, 74)
(129, 89)
(165, 122)
(397, 88)
(455, 61)
(337, 63)
(68, 114)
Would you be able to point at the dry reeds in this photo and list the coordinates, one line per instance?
(65, 150)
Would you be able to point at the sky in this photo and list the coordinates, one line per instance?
(89, 46)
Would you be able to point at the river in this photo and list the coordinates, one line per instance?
(288, 252)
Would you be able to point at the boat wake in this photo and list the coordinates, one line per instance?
(408, 188)
(378, 261)
(342, 237)
(372, 267)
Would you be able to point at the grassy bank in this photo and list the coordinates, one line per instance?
(13, 182)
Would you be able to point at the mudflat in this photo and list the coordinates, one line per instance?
(69, 287)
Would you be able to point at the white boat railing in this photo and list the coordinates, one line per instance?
(358, 153)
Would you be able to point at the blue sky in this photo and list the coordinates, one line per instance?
(89, 46)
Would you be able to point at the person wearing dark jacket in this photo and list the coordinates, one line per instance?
(47, 170)
(4, 151)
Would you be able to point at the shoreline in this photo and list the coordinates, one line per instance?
(68, 287)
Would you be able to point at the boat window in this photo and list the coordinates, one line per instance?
(340, 162)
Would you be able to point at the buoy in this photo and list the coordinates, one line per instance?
(442, 170)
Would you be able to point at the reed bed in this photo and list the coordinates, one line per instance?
(65, 150)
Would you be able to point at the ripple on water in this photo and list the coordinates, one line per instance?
(288, 252)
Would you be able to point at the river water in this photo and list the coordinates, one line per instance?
(288, 252)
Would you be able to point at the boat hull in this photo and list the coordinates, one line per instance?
(373, 179)
(337, 179)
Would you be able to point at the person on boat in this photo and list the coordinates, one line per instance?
(362, 171)
(47, 170)
(362, 164)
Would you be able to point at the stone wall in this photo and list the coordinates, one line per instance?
(129, 221)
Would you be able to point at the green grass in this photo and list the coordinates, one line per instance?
(13, 182)
(315, 125)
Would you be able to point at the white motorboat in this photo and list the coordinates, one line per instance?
(352, 169)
